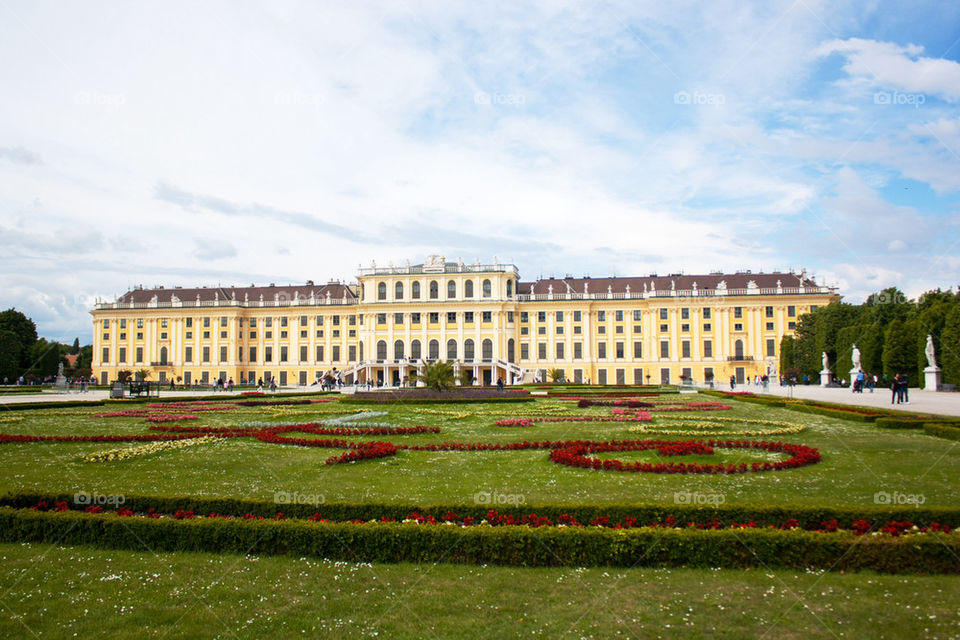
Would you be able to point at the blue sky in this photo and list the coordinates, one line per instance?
(238, 143)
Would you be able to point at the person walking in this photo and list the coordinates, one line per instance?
(905, 388)
(895, 388)
(733, 382)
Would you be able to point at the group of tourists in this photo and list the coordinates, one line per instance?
(900, 389)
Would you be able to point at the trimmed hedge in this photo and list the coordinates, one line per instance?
(354, 400)
(30, 406)
(948, 430)
(513, 546)
(806, 515)
(891, 422)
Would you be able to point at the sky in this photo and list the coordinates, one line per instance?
(186, 143)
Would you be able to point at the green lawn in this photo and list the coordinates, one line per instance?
(52, 591)
(65, 592)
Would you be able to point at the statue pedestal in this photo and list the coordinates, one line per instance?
(825, 377)
(931, 379)
(61, 384)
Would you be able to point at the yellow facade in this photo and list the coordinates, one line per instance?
(656, 329)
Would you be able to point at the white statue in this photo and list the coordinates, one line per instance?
(930, 353)
(855, 356)
(826, 361)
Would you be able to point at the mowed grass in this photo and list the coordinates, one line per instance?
(51, 591)
(859, 459)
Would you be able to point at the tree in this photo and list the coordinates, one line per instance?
(466, 377)
(787, 356)
(948, 357)
(436, 375)
(44, 358)
(124, 375)
(10, 349)
(25, 331)
(142, 374)
(555, 375)
(899, 348)
(75, 349)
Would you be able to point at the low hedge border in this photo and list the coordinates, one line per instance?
(512, 546)
(65, 404)
(352, 400)
(807, 516)
(948, 430)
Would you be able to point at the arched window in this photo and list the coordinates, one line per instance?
(398, 350)
(451, 289)
(381, 350)
(487, 350)
(468, 289)
(451, 349)
(398, 291)
(163, 355)
(487, 289)
(509, 288)
(738, 349)
(382, 291)
(415, 291)
(415, 350)
(468, 350)
(434, 290)
(511, 352)
(433, 353)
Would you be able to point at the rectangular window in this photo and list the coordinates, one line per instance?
(139, 335)
(163, 323)
(451, 317)
(685, 328)
(283, 321)
(618, 315)
(268, 322)
(708, 374)
(352, 353)
(303, 353)
(664, 314)
(601, 316)
(106, 336)
(737, 327)
(487, 316)
(283, 334)
(738, 312)
(542, 350)
(524, 331)
(223, 354)
(577, 350)
(621, 376)
(303, 321)
(637, 349)
(541, 316)
(706, 314)
(637, 315)
(319, 321)
(541, 331)
(414, 318)
(381, 318)
(283, 354)
(206, 322)
(223, 321)
(336, 353)
(708, 348)
(434, 317)
(685, 349)
(509, 316)
(769, 326)
(123, 323)
(638, 376)
(206, 335)
(707, 327)
(524, 351)
(303, 334)
(559, 351)
(336, 321)
(106, 324)
(163, 335)
(602, 350)
(468, 317)
(559, 316)
(638, 328)
(122, 355)
(771, 348)
(188, 354)
(620, 351)
(791, 326)
(206, 354)
(791, 311)
(664, 328)
(769, 312)
(524, 316)
(685, 313)
(268, 354)
(577, 316)
(105, 354)
(398, 318)
(253, 323)
(253, 354)
(664, 348)
(577, 330)
(601, 329)
(618, 329)
(139, 323)
(602, 376)
(319, 334)
(319, 353)
(559, 330)
(223, 335)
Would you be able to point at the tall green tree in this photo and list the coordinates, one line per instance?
(436, 375)
(24, 328)
(10, 349)
(900, 348)
(75, 349)
(948, 356)
(44, 358)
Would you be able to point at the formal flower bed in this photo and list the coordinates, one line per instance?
(9, 438)
(116, 455)
(171, 417)
(637, 416)
(633, 403)
(279, 403)
(575, 455)
(718, 426)
(197, 405)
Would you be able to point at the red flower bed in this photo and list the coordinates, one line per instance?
(7, 438)
(633, 403)
(128, 413)
(639, 416)
(170, 417)
(575, 456)
(365, 452)
(199, 405)
(224, 432)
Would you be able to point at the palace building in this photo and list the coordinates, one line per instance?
(621, 330)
